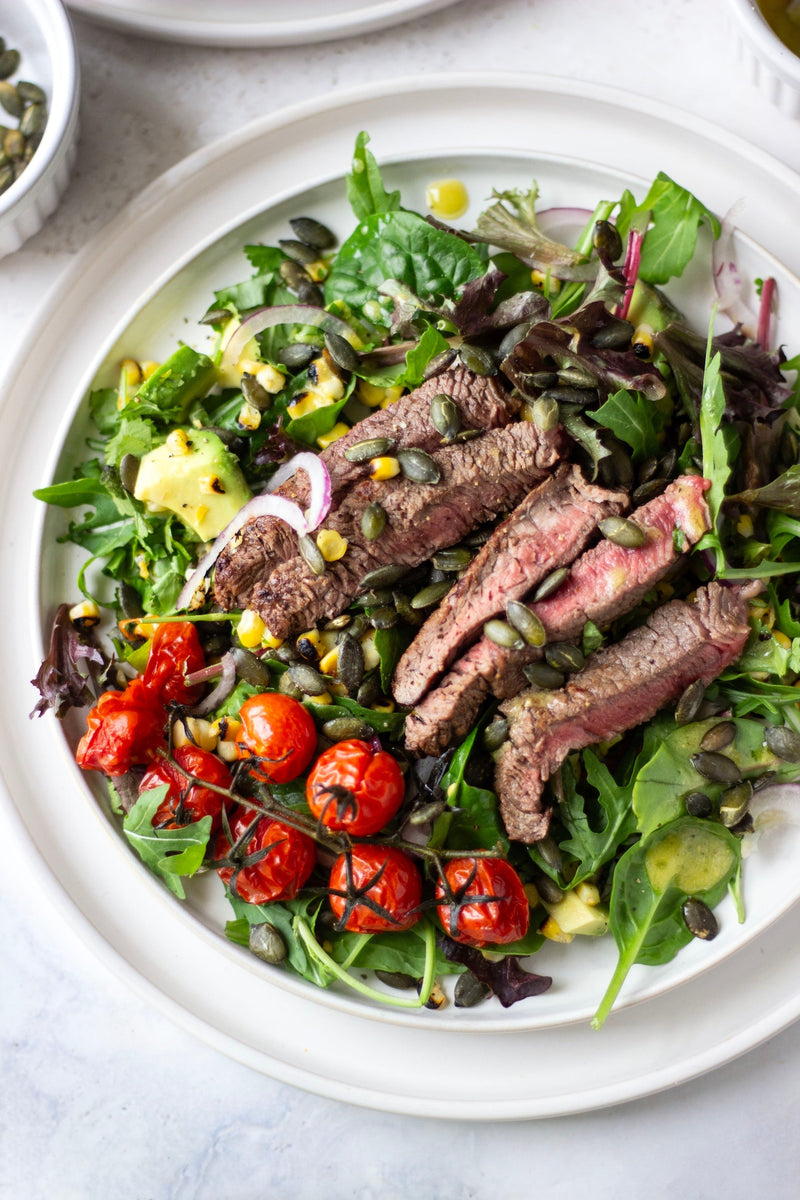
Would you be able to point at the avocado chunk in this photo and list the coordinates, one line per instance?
(573, 915)
(194, 476)
(182, 378)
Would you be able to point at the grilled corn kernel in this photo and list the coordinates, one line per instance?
(554, 933)
(86, 614)
(392, 396)
(326, 439)
(324, 378)
(642, 341)
(384, 467)
(131, 371)
(194, 731)
(308, 402)
(141, 563)
(249, 417)
(387, 707)
(310, 635)
(588, 893)
(250, 629)
(744, 526)
(270, 379)
(148, 367)
(782, 639)
(211, 485)
(270, 641)
(322, 698)
(541, 279)
(228, 751)
(178, 442)
(331, 545)
(372, 395)
(329, 663)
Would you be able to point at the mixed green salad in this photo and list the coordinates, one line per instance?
(211, 732)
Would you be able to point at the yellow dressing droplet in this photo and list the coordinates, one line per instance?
(447, 198)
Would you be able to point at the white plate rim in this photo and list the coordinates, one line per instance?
(242, 32)
(195, 164)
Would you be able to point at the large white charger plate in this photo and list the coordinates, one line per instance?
(252, 22)
(126, 287)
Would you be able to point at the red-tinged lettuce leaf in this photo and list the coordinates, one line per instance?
(506, 979)
(71, 676)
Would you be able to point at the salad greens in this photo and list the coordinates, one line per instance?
(626, 842)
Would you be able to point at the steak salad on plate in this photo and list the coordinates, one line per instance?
(452, 587)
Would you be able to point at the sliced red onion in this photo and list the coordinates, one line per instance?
(630, 270)
(269, 505)
(279, 314)
(728, 281)
(559, 218)
(223, 689)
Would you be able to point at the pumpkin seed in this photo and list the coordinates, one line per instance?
(616, 335)
(734, 802)
(298, 252)
(128, 471)
(698, 804)
(311, 553)
(286, 653)
(470, 990)
(717, 767)
(383, 576)
(783, 742)
(606, 240)
(313, 233)
(357, 628)
(647, 470)
(10, 100)
(431, 594)
(689, 703)
(648, 491)
(369, 692)
(564, 657)
(396, 979)
(361, 452)
(297, 355)
(427, 812)
(293, 275)
(383, 618)
(250, 668)
(511, 340)
(213, 316)
(551, 584)
(9, 62)
(310, 293)
(440, 362)
(375, 598)
(545, 413)
(478, 538)
(454, 559)
(307, 678)
(548, 889)
(254, 393)
(576, 377)
(445, 416)
(266, 943)
(404, 609)
(550, 853)
(503, 634)
(718, 736)
(541, 675)
(33, 119)
(418, 466)
(544, 379)
(287, 687)
(350, 663)
(373, 521)
(764, 781)
(477, 360)
(31, 93)
(437, 576)
(616, 469)
(570, 395)
(700, 920)
(14, 144)
(341, 352)
(495, 734)
(622, 532)
(668, 463)
(342, 729)
(526, 623)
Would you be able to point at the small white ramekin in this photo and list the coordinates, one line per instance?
(41, 31)
(767, 63)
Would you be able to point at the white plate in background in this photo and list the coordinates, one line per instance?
(133, 287)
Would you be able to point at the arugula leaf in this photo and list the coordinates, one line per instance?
(591, 638)
(593, 848)
(632, 419)
(688, 857)
(471, 821)
(169, 853)
(133, 436)
(260, 289)
(586, 435)
(365, 191)
(676, 216)
(103, 408)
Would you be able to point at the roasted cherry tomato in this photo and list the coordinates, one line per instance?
(280, 732)
(123, 729)
(487, 905)
(378, 892)
(275, 859)
(175, 653)
(187, 802)
(354, 787)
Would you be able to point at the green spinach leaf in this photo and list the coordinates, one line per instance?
(169, 853)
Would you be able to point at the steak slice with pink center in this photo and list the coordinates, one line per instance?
(546, 531)
(622, 686)
(604, 583)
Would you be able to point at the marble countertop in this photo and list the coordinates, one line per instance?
(103, 1096)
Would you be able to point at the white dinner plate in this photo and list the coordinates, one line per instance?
(252, 22)
(130, 293)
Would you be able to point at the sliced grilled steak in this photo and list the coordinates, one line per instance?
(265, 542)
(480, 479)
(546, 531)
(622, 686)
(604, 583)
